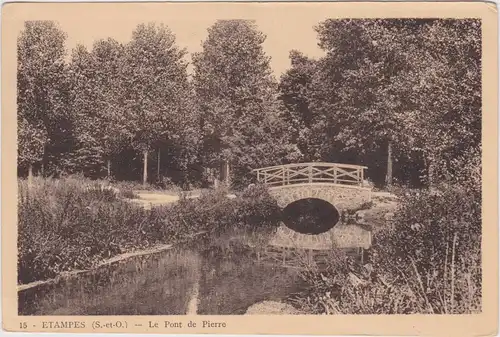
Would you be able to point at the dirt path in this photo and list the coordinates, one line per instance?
(149, 199)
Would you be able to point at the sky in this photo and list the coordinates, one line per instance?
(287, 25)
(284, 33)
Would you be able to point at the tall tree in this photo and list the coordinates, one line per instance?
(449, 95)
(241, 117)
(42, 94)
(296, 94)
(366, 86)
(96, 103)
(155, 85)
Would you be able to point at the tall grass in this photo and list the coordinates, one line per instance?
(67, 224)
(72, 224)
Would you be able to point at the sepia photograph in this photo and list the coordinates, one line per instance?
(242, 166)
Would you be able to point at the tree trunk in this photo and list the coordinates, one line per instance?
(388, 177)
(30, 174)
(44, 160)
(227, 179)
(145, 169)
(158, 168)
(430, 173)
(109, 168)
(425, 173)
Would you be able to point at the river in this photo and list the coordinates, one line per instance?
(176, 281)
(218, 278)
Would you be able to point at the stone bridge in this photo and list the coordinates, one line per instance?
(340, 187)
(343, 198)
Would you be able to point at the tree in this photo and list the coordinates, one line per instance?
(31, 139)
(296, 94)
(42, 95)
(154, 88)
(449, 125)
(372, 96)
(96, 102)
(241, 118)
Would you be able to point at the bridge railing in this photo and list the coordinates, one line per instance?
(303, 173)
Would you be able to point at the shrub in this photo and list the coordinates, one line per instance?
(213, 212)
(101, 192)
(435, 247)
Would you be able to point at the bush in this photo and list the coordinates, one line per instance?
(72, 224)
(435, 247)
(213, 212)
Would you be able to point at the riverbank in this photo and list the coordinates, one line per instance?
(69, 225)
(149, 199)
(381, 212)
(116, 259)
(425, 258)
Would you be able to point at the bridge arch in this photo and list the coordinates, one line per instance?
(310, 216)
(341, 185)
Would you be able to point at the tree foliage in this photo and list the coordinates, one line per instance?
(95, 98)
(296, 94)
(237, 95)
(44, 127)
(408, 89)
(153, 81)
(31, 140)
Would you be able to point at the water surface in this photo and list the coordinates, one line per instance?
(177, 281)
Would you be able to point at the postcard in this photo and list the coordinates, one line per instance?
(314, 168)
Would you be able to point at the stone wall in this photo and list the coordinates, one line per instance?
(341, 196)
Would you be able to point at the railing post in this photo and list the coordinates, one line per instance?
(362, 176)
(335, 173)
(284, 180)
(310, 173)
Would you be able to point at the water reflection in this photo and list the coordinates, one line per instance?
(165, 284)
(217, 274)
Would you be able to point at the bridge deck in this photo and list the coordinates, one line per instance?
(317, 172)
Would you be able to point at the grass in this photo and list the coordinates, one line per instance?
(74, 224)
